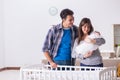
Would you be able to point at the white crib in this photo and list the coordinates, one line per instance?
(45, 72)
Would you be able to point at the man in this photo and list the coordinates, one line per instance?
(60, 40)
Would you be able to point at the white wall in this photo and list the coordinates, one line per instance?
(26, 23)
(1, 37)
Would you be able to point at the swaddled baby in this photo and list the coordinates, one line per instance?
(85, 47)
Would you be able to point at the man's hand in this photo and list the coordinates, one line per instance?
(47, 55)
(53, 65)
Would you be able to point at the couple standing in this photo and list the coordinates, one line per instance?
(61, 38)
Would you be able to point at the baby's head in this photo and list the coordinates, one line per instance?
(94, 35)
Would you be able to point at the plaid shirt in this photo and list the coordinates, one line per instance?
(54, 38)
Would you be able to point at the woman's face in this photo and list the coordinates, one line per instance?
(85, 28)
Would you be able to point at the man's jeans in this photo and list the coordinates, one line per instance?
(63, 63)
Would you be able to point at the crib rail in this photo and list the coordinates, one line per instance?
(46, 72)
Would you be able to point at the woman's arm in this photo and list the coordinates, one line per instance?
(97, 41)
(85, 55)
(76, 55)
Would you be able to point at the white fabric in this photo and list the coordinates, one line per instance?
(85, 47)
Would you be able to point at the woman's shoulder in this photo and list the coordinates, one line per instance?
(76, 40)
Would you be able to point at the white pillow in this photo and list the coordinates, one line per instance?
(85, 47)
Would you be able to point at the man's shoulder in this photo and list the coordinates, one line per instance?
(55, 27)
(75, 27)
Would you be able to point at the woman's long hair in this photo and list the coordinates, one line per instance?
(82, 23)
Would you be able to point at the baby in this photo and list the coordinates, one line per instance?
(85, 47)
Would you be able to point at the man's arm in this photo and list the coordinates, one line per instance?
(54, 65)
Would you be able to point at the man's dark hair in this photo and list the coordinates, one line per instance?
(65, 12)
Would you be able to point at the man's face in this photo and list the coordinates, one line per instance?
(69, 21)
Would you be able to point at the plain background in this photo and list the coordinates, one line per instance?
(24, 25)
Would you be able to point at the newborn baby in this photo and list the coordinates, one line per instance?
(85, 47)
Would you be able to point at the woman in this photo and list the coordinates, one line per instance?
(91, 58)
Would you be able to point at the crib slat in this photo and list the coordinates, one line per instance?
(45, 72)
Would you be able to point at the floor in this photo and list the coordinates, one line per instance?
(9, 75)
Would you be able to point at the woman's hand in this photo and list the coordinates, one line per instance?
(88, 54)
(89, 40)
(98, 33)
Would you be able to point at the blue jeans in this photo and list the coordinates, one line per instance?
(64, 63)
(99, 65)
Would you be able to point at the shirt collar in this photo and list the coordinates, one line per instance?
(60, 26)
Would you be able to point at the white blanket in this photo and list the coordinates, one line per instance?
(85, 47)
